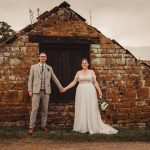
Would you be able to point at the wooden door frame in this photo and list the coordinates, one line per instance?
(61, 39)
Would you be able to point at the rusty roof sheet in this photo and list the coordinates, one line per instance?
(147, 62)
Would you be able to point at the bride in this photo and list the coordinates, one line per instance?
(87, 115)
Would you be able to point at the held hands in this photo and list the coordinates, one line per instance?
(62, 90)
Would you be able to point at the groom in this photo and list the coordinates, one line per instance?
(39, 87)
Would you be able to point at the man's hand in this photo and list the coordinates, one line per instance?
(30, 94)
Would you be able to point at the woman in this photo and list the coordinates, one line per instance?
(87, 115)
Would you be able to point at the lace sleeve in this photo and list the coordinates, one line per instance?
(93, 76)
(76, 76)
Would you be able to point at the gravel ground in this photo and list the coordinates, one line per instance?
(38, 144)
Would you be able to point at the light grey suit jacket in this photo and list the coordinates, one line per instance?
(34, 83)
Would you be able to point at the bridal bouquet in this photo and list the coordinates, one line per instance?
(102, 103)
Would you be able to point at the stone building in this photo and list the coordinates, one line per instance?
(66, 38)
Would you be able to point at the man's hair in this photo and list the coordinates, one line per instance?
(42, 53)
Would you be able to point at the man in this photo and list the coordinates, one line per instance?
(39, 88)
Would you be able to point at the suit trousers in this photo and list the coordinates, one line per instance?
(35, 105)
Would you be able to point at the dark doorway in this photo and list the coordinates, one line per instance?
(66, 61)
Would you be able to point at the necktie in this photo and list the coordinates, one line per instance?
(42, 68)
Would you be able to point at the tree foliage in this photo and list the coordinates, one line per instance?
(5, 31)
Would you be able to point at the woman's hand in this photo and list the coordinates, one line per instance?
(100, 94)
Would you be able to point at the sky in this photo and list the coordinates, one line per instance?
(126, 21)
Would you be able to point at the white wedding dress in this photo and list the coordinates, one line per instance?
(87, 114)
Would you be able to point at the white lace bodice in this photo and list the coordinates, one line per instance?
(85, 79)
(89, 78)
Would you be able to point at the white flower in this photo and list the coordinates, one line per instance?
(103, 104)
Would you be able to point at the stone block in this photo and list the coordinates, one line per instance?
(140, 103)
(131, 84)
(6, 54)
(134, 117)
(147, 82)
(31, 44)
(13, 96)
(130, 93)
(130, 61)
(102, 76)
(102, 51)
(146, 109)
(120, 61)
(112, 93)
(24, 39)
(19, 43)
(93, 51)
(117, 55)
(12, 77)
(124, 77)
(117, 67)
(127, 67)
(98, 62)
(98, 55)
(108, 46)
(15, 48)
(105, 40)
(20, 95)
(133, 77)
(143, 92)
(145, 115)
(15, 61)
(111, 51)
(134, 110)
(12, 118)
(95, 46)
(110, 61)
(121, 51)
(106, 55)
(4, 85)
(124, 110)
(122, 116)
(23, 49)
(127, 56)
(141, 83)
(126, 104)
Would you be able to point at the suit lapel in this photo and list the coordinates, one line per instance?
(39, 69)
(46, 69)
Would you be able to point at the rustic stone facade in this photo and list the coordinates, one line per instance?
(122, 78)
(126, 81)
(15, 61)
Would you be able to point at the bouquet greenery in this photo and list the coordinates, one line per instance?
(103, 103)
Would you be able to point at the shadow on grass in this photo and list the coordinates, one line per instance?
(66, 134)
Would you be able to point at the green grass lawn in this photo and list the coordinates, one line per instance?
(66, 134)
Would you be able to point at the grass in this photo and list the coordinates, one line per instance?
(66, 134)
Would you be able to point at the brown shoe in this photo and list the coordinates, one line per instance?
(30, 131)
(44, 129)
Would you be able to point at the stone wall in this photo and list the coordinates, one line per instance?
(121, 77)
(15, 61)
(126, 82)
